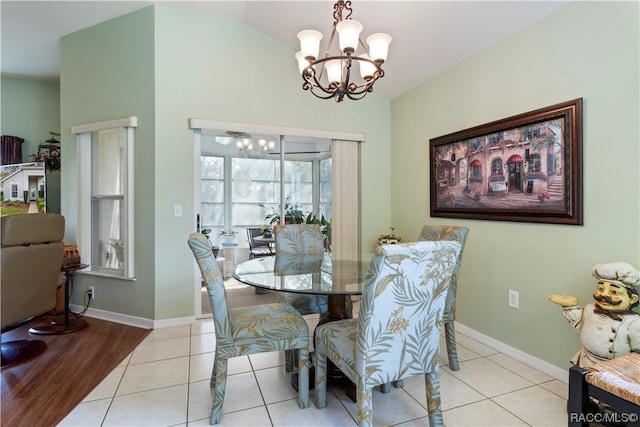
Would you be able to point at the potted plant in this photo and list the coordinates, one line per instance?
(229, 238)
(292, 214)
(543, 196)
(316, 217)
(266, 230)
(389, 239)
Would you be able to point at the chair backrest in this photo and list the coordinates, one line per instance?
(253, 232)
(32, 252)
(401, 310)
(454, 234)
(287, 265)
(298, 239)
(215, 287)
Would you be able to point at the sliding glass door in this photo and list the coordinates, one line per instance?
(240, 191)
(252, 178)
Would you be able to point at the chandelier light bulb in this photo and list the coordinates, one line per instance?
(334, 71)
(349, 34)
(271, 145)
(379, 46)
(302, 62)
(367, 69)
(310, 43)
(239, 144)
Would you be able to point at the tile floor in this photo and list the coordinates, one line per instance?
(165, 382)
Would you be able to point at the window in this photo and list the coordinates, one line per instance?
(254, 191)
(105, 205)
(212, 193)
(496, 167)
(14, 191)
(475, 171)
(534, 163)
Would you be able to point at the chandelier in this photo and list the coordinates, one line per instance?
(330, 76)
(252, 150)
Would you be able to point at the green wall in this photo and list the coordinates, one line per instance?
(30, 110)
(166, 66)
(589, 50)
(107, 72)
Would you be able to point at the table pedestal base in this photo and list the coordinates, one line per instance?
(335, 377)
(66, 325)
(57, 328)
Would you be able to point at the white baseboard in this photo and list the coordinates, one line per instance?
(138, 322)
(539, 364)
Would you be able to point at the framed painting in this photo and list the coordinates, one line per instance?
(524, 168)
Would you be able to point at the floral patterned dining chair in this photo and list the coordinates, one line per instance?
(294, 240)
(397, 334)
(248, 330)
(454, 234)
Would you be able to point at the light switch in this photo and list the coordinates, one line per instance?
(177, 210)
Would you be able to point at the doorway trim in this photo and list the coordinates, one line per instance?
(198, 126)
(202, 124)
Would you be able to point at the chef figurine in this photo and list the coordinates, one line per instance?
(608, 328)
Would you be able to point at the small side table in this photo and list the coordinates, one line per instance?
(69, 325)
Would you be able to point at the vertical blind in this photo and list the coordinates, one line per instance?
(345, 236)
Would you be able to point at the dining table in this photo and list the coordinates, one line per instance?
(328, 273)
(265, 239)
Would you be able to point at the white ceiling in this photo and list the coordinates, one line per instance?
(429, 37)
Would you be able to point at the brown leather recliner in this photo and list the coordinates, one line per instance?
(32, 251)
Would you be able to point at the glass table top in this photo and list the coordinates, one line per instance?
(321, 274)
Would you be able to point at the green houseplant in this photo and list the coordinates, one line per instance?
(292, 214)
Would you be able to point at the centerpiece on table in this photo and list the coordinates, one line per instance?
(389, 239)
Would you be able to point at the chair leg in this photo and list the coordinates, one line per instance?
(321, 375)
(303, 377)
(450, 338)
(386, 388)
(365, 404)
(578, 404)
(212, 383)
(218, 396)
(290, 359)
(432, 382)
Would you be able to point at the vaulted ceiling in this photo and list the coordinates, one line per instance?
(429, 37)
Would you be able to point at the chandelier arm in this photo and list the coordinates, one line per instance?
(331, 38)
(311, 83)
(364, 48)
(351, 90)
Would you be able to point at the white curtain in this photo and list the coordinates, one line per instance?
(345, 234)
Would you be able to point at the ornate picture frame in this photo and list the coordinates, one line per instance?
(525, 168)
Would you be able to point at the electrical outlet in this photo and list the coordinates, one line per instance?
(92, 291)
(514, 299)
